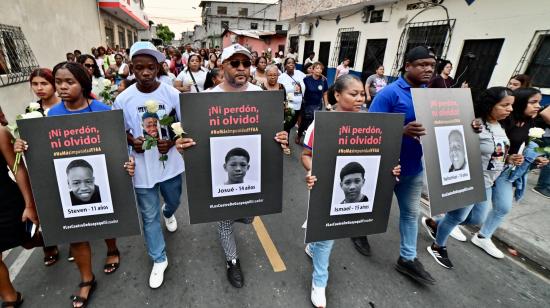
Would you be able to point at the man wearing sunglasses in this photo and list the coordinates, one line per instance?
(236, 62)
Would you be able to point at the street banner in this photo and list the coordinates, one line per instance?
(236, 168)
(451, 148)
(353, 158)
(76, 168)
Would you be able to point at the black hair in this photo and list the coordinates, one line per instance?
(288, 59)
(522, 96)
(209, 82)
(306, 66)
(237, 152)
(311, 53)
(69, 54)
(84, 57)
(441, 65)
(128, 82)
(79, 73)
(524, 79)
(484, 104)
(79, 163)
(189, 60)
(340, 84)
(350, 168)
(77, 51)
(258, 60)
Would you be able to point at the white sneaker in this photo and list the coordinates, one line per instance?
(157, 274)
(318, 298)
(171, 222)
(458, 235)
(487, 245)
(308, 251)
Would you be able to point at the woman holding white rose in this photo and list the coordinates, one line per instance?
(74, 88)
(192, 78)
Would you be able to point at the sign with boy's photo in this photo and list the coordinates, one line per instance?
(454, 174)
(236, 168)
(353, 158)
(76, 168)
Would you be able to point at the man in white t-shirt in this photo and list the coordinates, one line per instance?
(160, 168)
(236, 61)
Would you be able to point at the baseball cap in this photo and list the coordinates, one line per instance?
(228, 52)
(419, 52)
(146, 48)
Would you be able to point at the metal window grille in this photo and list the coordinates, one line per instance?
(17, 60)
(254, 26)
(225, 25)
(436, 34)
(376, 16)
(110, 36)
(346, 46)
(539, 62)
(243, 12)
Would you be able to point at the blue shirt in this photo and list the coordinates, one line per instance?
(59, 108)
(313, 94)
(396, 98)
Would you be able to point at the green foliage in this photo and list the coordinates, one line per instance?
(164, 33)
(149, 142)
(166, 120)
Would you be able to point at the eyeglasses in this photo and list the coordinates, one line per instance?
(88, 65)
(237, 63)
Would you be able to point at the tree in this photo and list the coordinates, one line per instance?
(164, 33)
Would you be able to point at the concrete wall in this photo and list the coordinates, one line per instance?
(256, 44)
(51, 28)
(486, 19)
(116, 24)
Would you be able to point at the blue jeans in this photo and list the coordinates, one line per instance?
(149, 207)
(503, 194)
(474, 214)
(408, 191)
(321, 256)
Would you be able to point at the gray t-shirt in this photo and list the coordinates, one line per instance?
(377, 83)
(494, 145)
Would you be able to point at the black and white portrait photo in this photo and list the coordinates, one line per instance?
(236, 165)
(453, 158)
(355, 179)
(83, 185)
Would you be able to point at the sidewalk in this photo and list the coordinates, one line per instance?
(527, 226)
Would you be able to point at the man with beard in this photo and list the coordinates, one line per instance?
(236, 62)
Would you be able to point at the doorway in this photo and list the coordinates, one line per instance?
(374, 56)
(324, 53)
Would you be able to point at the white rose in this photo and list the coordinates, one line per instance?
(536, 132)
(152, 106)
(32, 115)
(269, 50)
(94, 83)
(107, 83)
(33, 106)
(290, 96)
(178, 130)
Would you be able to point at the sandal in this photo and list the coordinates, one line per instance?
(15, 304)
(110, 268)
(84, 301)
(51, 259)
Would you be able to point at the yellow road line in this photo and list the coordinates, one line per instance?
(269, 248)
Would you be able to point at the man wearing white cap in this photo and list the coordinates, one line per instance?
(153, 175)
(236, 61)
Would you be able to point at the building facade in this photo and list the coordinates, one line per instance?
(255, 40)
(120, 22)
(38, 33)
(487, 41)
(217, 16)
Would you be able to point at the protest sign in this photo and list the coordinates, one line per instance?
(235, 170)
(81, 189)
(353, 158)
(454, 174)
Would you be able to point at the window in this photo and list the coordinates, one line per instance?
(254, 26)
(121, 37)
(225, 24)
(17, 60)
(540, 64)
(110, 36)
(294, 41)
(376, 16)
(222, 10)
(278, 27)
(130, 37)
(243, 12)
(346, 46)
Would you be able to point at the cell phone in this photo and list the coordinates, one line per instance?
(30, 228)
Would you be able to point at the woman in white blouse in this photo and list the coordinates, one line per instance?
(192, 78)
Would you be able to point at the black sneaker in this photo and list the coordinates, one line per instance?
(440, 256)
(234, 273)
(415, 270)
(541, 191)
(426, 224)
(361, 243)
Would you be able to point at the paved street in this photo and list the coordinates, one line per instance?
(196, 272)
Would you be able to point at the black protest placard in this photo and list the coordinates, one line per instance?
(353, 158)
(236, 168)
(76, 168)
(451, 148)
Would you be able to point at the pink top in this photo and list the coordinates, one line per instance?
(342, 70)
